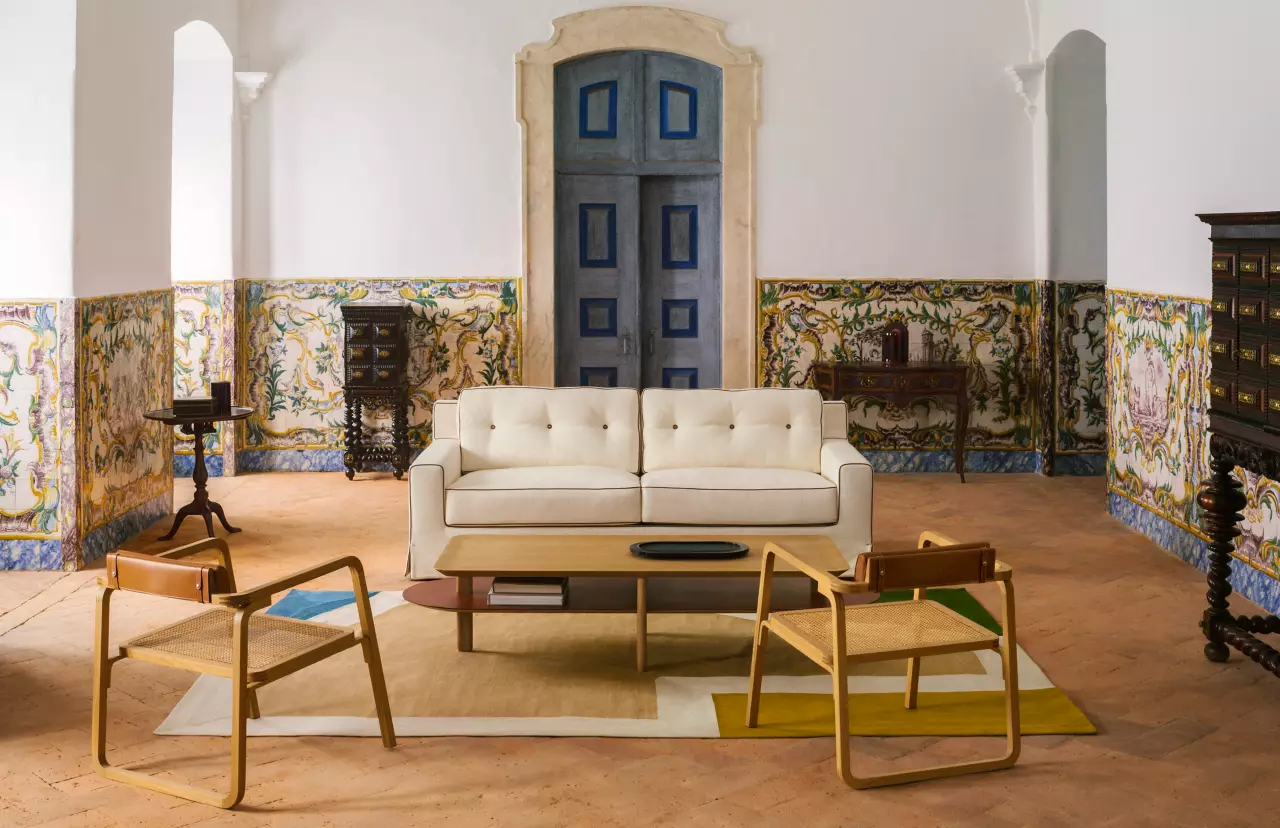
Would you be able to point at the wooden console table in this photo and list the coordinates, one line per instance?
(899, 385)
(1244, 411)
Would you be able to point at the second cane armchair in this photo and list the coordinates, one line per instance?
(842, 635)
(231, 640)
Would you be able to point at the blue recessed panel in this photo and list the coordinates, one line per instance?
(598, 110)
(679, 377)
(680, 318)
(678, 110)
(680, 237)
(598, 377)
(597, 235)
(598, 317)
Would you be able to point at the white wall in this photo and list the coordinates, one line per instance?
(892, 144)
(123, 137)
(37, 86)
(201, 210)
(1076, 101)
(1192, 126)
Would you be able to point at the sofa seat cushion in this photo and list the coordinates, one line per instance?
(543, 496)
(739, 497)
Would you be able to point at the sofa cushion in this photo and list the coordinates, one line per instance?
(739, 497)
(758, 427)
(508, 427)
(543, 496)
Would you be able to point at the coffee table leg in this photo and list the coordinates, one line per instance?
(465, 618)
(642, 624)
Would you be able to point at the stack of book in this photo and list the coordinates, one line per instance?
(528, 592)
(194, 406)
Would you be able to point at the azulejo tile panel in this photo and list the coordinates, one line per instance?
(198, 347)
(30, 448)
(993, 326)
(1081, 355)
(125, 368)
(465, 332)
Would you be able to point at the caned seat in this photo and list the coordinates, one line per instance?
(841, 635)
(207, 638)
(231, 640)
(882, 632)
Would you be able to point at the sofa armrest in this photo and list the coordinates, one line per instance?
(837, 455)
(433, 471)
(443, 454)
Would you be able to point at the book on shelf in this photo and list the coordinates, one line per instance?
(504, 599)
(528, 586)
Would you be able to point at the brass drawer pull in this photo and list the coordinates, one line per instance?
(1218, 391)
(1274, 359)
(1246, 398)
(357, 374)
(384, 332)
(1248, 266)
(1248, 354)
(383, 353)
(1219, 347)
(932, 382)
(384, 374)
(1220, 264)
(1220, 306)
(357, 353)
(1275, 313)
(1248, 310)
(1275, 268)
(1274, 404)
(867, 382)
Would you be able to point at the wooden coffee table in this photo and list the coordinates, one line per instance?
(606, 577)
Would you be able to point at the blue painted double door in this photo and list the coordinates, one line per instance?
(638, 222)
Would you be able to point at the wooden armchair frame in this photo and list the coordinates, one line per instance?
(244, 682)
(836, 661)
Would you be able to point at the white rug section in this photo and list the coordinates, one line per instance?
(685, 706)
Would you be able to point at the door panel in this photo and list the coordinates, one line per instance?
(597, 280)
(597, 110)
(680, 281)
(681, 109)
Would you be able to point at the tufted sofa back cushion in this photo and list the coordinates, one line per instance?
(516, 426)
(779, 428)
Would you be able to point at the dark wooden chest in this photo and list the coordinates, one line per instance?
(376, 373)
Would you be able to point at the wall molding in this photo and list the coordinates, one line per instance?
(632, 28)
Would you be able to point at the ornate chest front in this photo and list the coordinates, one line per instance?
(376, 372)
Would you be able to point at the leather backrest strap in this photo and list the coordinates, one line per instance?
(186, 580)
(931, 566)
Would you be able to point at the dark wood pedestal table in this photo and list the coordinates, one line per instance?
(197, 427)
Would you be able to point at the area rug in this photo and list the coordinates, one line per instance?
(574, 675)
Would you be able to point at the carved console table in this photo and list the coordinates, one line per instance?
(899, 385)
(1244, 410)
(376, 352)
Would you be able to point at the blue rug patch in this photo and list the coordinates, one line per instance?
(308, 603)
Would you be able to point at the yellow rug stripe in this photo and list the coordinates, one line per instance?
(973, 713)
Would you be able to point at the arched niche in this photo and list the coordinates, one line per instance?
(202, 177)
(659, 29)
(1076, 110)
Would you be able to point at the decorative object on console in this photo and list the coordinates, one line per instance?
(896, 344)
(1244, 410)
(689, 550)
(198, 425)
(221, 392)
(900, 384)
(376, 352)
(194, 406)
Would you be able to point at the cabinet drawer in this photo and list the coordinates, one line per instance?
(926, 383)
(1222, 393)
(1251, 356)
(359, 353)
(384, 332)
(1224, 267)
(1251, 310)
(386, 373)
(1222, 351)
(1251, 399)
(854, 383)
(1222, 311)
(359, 331)
(1251, 268)
(360, 374)
(1273, 359)
(1273, 405)
(1273, 265)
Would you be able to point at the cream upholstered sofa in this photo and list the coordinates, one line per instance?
(517, 459)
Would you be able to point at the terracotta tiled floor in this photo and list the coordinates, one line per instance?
(1111, 618)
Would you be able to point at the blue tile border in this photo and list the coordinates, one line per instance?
(110, 536)
(300, 460)
(30, 554)
(944, 460)
(1253, 584)
(1080, 465)
(184, 465)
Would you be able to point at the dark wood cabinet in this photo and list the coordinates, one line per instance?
(1244, 410)
(376, 373)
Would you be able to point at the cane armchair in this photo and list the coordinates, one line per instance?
(842, 635)
(231, 640)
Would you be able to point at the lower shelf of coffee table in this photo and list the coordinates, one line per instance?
(680, 594)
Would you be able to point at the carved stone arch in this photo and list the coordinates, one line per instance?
(658, 29)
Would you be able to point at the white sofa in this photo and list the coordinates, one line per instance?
(517, 459)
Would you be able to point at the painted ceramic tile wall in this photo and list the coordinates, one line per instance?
(202, 333)
(1158, 448)
(125, 367)
(466, 332)
(993, 326)
(1080, 406)
(30, 440)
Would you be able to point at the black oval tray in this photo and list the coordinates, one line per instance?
(689, 550)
